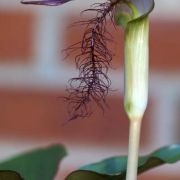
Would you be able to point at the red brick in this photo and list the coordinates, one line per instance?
(36, 115)
(164, 43)
(15, 36)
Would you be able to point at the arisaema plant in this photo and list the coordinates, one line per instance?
(93, 60)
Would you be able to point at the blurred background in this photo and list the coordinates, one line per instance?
(34, 76)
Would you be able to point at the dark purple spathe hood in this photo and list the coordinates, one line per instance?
(45, 2)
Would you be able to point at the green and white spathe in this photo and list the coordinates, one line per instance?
(132, 15)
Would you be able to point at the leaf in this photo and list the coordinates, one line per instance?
(114, 168)
(9, 175)
(40, 164)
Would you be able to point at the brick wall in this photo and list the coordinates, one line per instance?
(33, 75)
(15, 37)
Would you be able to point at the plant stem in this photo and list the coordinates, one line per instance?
(136, 86)
(134, 20)
(134, 138)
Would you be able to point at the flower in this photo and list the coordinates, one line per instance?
(129, 10)
(45, 2)
(132, 15)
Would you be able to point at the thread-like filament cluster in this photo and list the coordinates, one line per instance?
(93, 62)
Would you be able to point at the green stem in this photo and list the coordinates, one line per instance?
(134, 137)
(136, 85)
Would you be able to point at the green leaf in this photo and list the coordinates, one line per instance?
(114, 168)
(9, 175)
(40, 164)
